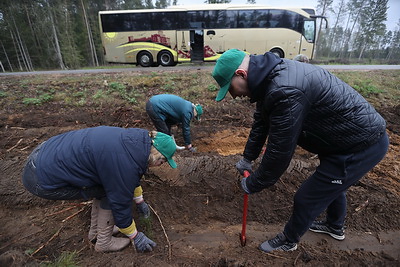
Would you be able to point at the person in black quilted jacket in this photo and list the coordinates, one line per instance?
(305, 105)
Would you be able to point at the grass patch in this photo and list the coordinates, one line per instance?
(380, 87)
(366, 88)
(212, 88)
(127, 93)
(66, 259)
(133, 89)
(43, 98)
(111, 66)
(146, 226)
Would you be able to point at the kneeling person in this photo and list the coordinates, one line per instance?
(105, 163)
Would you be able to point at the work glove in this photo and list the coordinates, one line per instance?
(243, 165)
(143, 209)
(244, 186)
(192, 149)
(143, 243)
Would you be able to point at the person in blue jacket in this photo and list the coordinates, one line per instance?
(166, 110)
(104, 163)
(305, 105)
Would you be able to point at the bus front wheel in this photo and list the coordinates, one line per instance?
(277, 52)
(165, 58)
(145, 59)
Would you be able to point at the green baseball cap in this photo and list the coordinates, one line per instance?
(166, 145)
(199, 111)
(225, 68)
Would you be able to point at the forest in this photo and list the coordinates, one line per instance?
(64, 34)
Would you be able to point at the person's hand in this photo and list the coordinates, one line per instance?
(143, 243)
(244, 185)
(243, 165)
(143, 209)
(191, 148)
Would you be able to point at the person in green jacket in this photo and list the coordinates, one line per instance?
(166, 110)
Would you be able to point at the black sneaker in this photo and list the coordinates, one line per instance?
(278, 243)
(323, 227)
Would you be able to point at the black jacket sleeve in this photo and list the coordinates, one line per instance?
(285, 112)
(258, 135)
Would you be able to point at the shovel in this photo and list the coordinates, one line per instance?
(244, 219)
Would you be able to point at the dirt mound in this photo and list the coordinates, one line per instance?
(198, 207)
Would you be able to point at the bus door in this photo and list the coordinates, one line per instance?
(308, 38)
(196, 45)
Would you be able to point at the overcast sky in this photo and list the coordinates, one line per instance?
(393, 11)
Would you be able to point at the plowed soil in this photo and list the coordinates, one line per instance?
(197, 207)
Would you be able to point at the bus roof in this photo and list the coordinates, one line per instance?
(302, 10)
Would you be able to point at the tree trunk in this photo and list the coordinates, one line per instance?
(8, 60)
(95, 61)
(16, 50)
(339, 14)
(325, 6)
(34, 36)
(361, 52)
(22, 49)
(345, 33)
(57, 44)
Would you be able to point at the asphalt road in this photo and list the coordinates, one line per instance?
(188, 67)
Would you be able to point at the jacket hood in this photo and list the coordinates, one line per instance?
(259, 68)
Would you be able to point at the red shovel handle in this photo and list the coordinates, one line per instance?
(244, 219)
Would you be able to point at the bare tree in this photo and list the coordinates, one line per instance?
(55, 39)
(16, 50)
(95, 61)
(394, 49)
(6, 55)
(356, 6)
(325, 6)
(339, 14)
(23, 52)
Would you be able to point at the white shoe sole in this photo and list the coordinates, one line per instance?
(337, 237)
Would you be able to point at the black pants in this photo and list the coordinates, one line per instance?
(326, 188)
(160, 124)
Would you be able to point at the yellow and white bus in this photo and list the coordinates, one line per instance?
(153, 37)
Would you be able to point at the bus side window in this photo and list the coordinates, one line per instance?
(274, 18)
(244, 19)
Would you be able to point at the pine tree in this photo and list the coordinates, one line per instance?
(372, 24)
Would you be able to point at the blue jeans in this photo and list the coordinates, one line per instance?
(30, 181)
(326, 188)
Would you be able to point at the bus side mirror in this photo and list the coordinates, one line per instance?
(321, 17)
